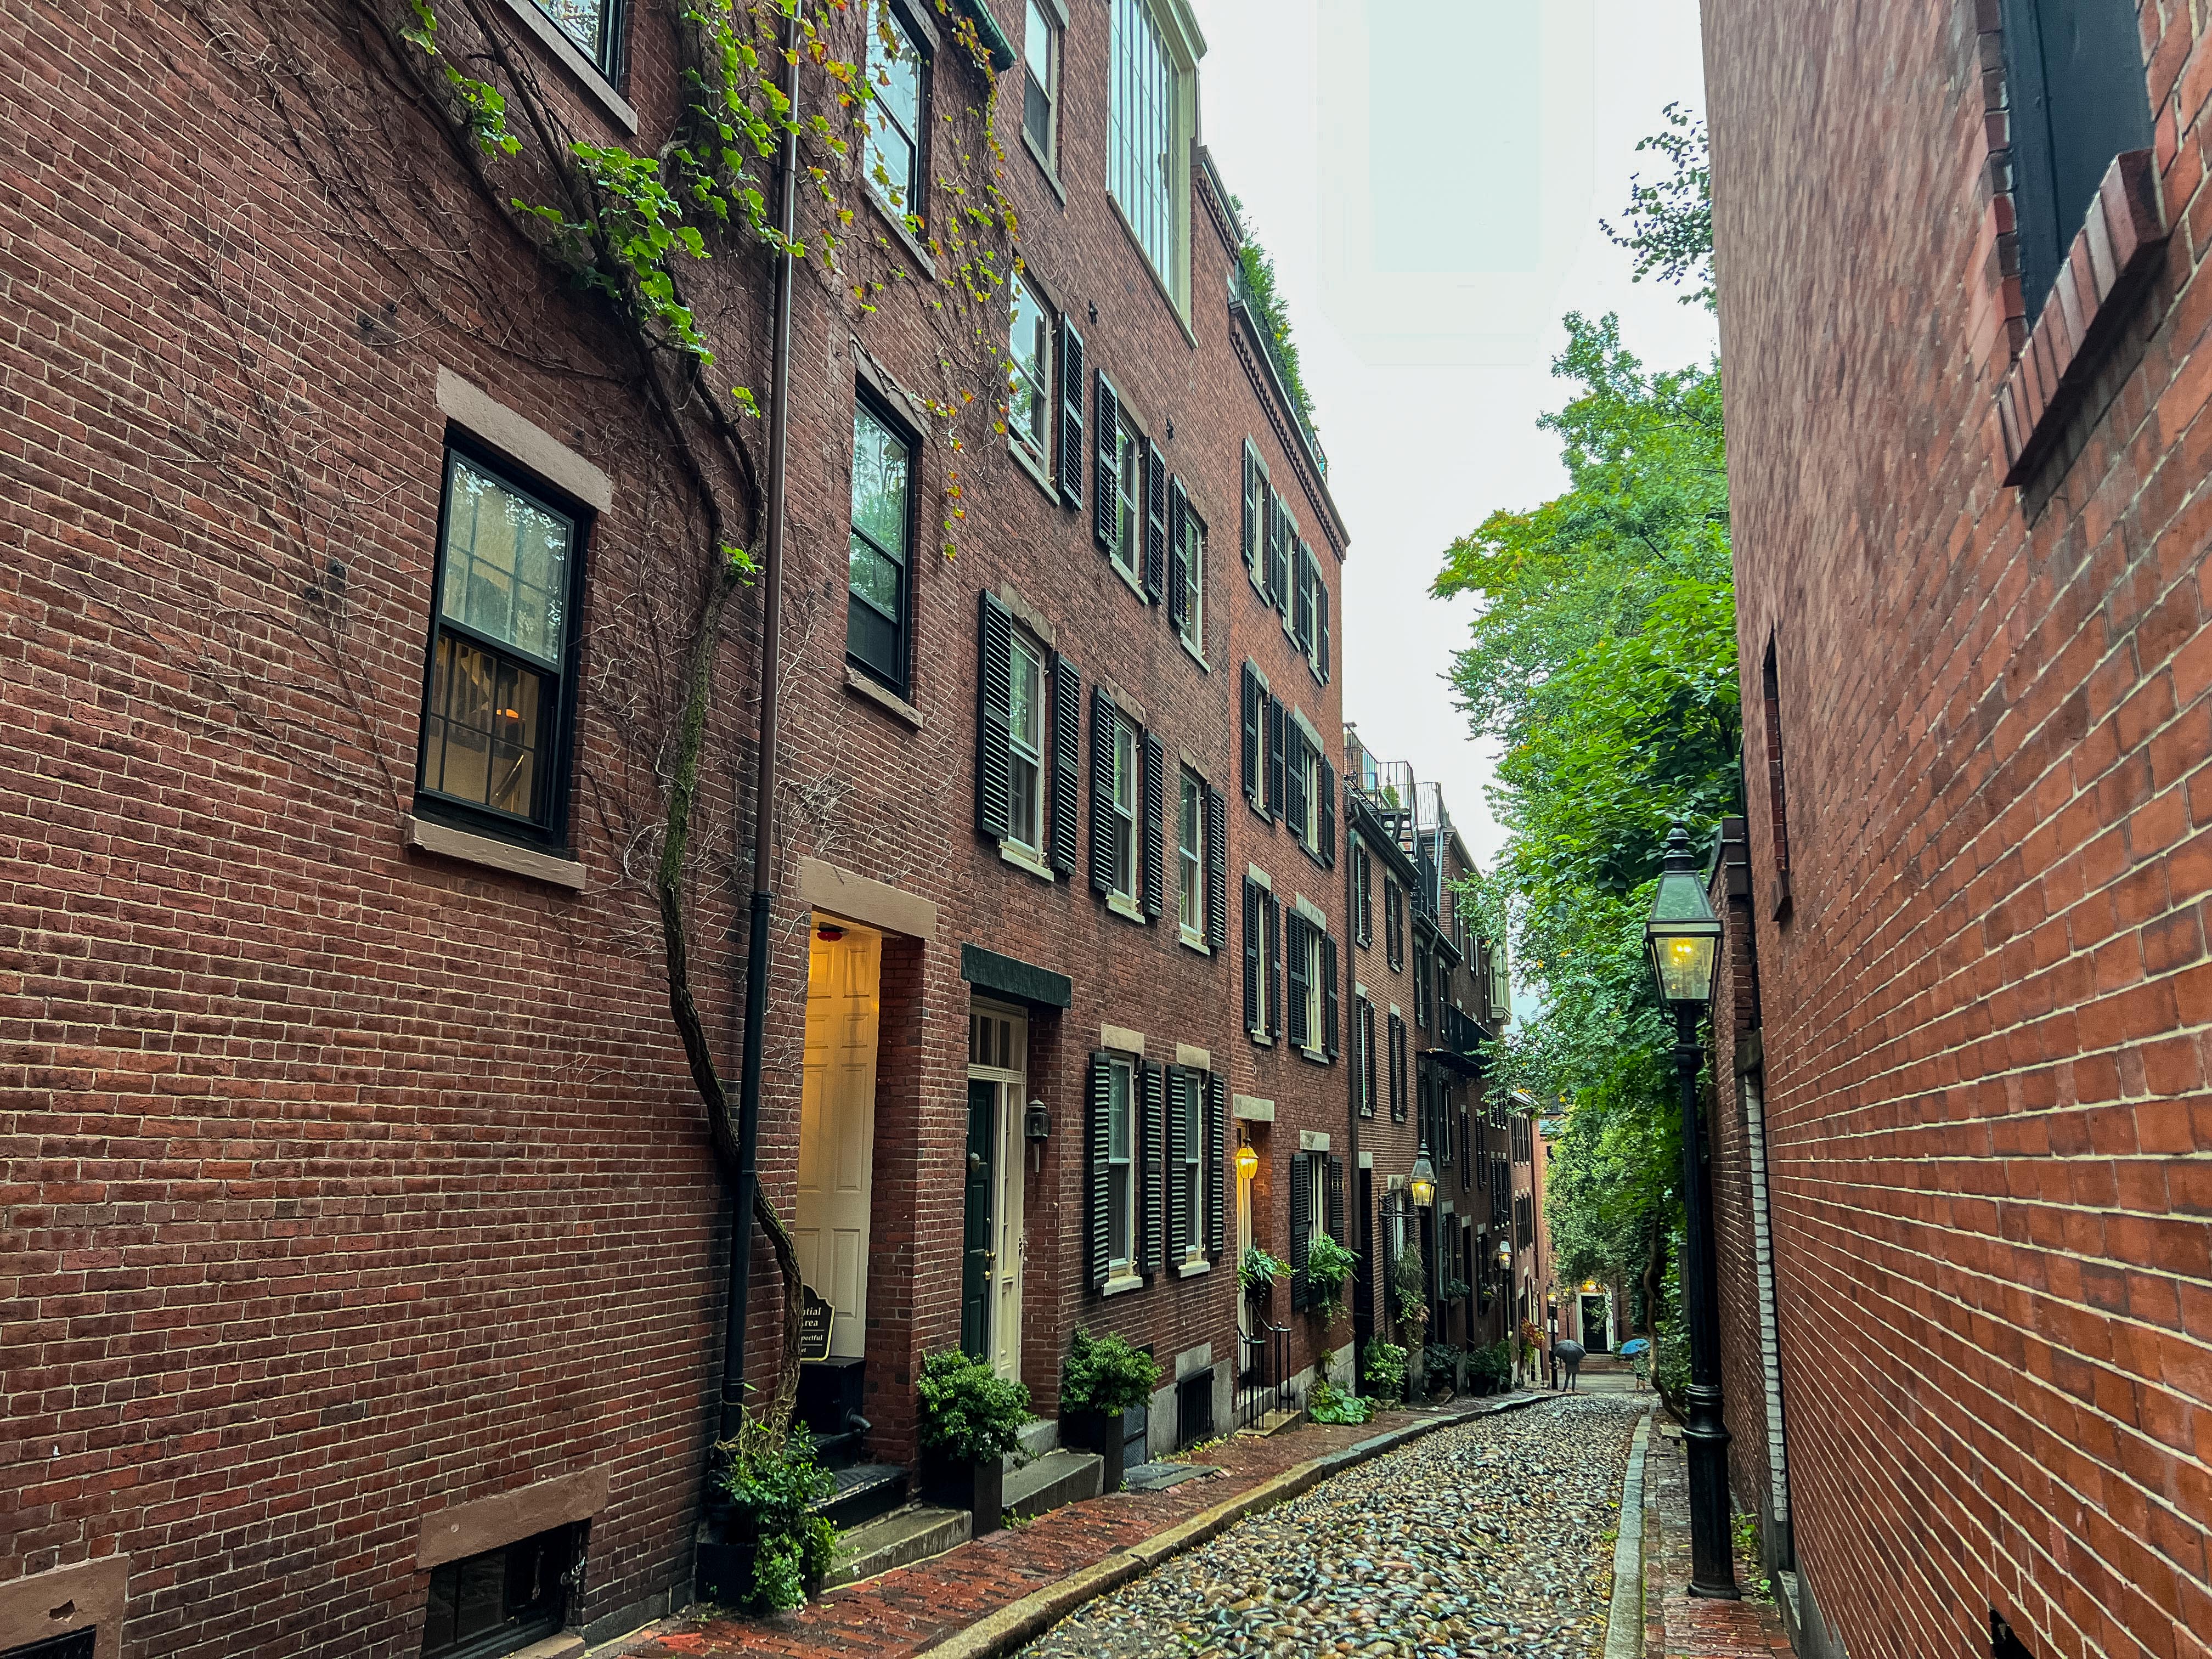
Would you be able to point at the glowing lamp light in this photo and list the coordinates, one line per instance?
(1422, 1183)
(1248, 1161)
(1505, 1255)
(1682, 934)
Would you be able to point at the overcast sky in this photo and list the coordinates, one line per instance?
(1432, 207)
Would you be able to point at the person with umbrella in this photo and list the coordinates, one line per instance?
(1569, 1354)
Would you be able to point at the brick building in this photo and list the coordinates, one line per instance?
(1963, 310)
(366, 1246)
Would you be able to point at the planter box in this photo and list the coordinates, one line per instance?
(979, 1488)
(723, 1567)
(1096, 1432)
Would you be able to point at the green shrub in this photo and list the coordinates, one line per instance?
(1329, 1267)
(1441, 1361)
(1105, 1374)
(1257, 1270)
(1386, 1368)
(1410, 1282)
(772, 1484)
(970, 1413)
(1327, 1403)
(1490, 1369)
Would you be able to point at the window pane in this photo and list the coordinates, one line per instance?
(880, 467)
(1036, 44)
(1117, 1112)
(1028, 349)
(894, 71)
(480, 741)
(871, 639)
(506, 563)
(874, 578)
(583, 22)
(1141, 143)
(1129, 486)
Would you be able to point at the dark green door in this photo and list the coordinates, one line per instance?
(975, 1269)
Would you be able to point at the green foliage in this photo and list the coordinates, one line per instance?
(969, 1411)
(1441, 1361)
(1326, 1403)
(1670, 222)
(1257, 267)
(1385, 1369)
(1329, 1267)
(771, 1481)
(1410, 1285)
(1105, 1374)
(1257, 1270)
(1490, 1368)
(483, 111)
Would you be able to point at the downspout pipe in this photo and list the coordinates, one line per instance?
(764, 758)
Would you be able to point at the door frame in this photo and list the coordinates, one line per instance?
(1010, 1041)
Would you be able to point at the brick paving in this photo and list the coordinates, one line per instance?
(903, 1612)
(1679, 1626)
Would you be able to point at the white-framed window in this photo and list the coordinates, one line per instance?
(1193, 582)
(1025, 814)
(1126, 786)
(1028, 375)
(1317, 1196)
(1129, 501)
(1041, 80)
(1254, 526)
(1311, 936)
(892, 160)
(1120, 1166)
(1192, 1174)
(1307, 795)
(593, 25)
(1190, 843)
(1142, 150)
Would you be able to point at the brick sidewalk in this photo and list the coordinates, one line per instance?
(1677, 1624)
(903, 1612)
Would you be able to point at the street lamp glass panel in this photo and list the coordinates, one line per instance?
(1682, 934)
(1422, 1183)
(1505, 1253)
(1684, 966)
(1247, 1163)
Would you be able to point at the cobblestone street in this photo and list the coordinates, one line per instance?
(1490, 1539)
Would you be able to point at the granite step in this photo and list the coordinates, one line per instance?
(897, 1540)
(1057, 1477)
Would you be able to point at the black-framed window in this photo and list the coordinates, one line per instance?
(595, 26)
(1041, 80)
(2076, 97)
(879, 564)
(503, 1598)
(499, 682)
(899, 72)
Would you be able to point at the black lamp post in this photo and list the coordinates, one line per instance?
(1683, 936)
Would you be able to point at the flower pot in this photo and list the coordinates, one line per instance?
(979, 1488)
(1097, 1432)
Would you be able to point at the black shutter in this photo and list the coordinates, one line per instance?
(1152, 1189)
(1397, 1036)
(1274, 947)
(1336, 1198)
(1276, 722)
(1066, 738)
(1155, 799)
(1071, 414)
(1217, 1152)
(1328, 1003)
(1216, 869)
(1301, 1223)
(1320, 628)
(1155, 521)
(1366, 1058)
(1326, 786)
(1105, 480)
(1302, 603)
(1294, 944)
(1363, 871)
(1178, 560)
(994, 681)
(1102, 791)
(1254, 703)
(1179, 1082)
(1255, 930)
(1294, 778)
(1467, 1160)
(1097, 1184)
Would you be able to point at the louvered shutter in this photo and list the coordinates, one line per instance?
(1367, 1058)
(1328, 803)
(1102, 791)
(1217, 1161)
(1301, 1223)
(1362, 868)
(994, 757)
(1216, 869)
(1320, 629)
(1294, 778)
(1276, 723)
(1294, 932)
(1255, 930)
(1097, 1183)
(1328, 1003)
(1155, 521)
(1397, 1036)
(1105, 479)
(1155, 799)
(1179, 1084)
(1302, 603)
(1066, 738)
(1178, 556)
(1253, 703)
(1274, 946)
(1152, 1192)
(1071, 414)
(1336, 1198)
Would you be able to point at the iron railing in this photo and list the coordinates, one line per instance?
(1262, 1373)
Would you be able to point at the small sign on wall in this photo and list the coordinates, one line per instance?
(815, 1319)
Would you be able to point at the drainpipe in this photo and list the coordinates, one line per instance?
(756, 947)
(1356, 1072)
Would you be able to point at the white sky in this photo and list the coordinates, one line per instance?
(1432, 210)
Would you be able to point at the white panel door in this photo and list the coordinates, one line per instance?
(1009, 1247)
(836, 1130)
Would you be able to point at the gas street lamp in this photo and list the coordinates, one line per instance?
(1683, 936)
(1422, 1183)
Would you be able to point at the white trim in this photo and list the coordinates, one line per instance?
(1021, 859)
(1121, 907)
(1125, 1282)
(521, 440)
(571, 58)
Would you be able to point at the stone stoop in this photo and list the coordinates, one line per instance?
(897, 1540)
(1057, 1477)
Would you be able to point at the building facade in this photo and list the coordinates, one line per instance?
(1962, 307)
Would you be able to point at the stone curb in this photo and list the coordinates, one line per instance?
(1624, 1628)
(1019, 1621)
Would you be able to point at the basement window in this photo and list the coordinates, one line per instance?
(504, 1599)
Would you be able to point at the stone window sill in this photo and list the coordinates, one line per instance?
(1121, 1284)
(581, 70)
(1044, 164)
(896, 222)
(1193, 1268)
(2109, 264)
(1136, 586)
(1121, 907)
(1195, 655)
(1191, 941)
(467, 847)
(882, 696)
(1021, 859)
(1027, 460)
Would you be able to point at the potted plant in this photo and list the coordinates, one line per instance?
(1385, 1371)
(971, 1418)
(1409, 1283)
(1490, 1369)
(1329, 1267)
(773, 1551)
(1257, 1272)
(1103, 1378)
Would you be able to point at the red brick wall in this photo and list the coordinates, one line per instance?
(1985, 1026)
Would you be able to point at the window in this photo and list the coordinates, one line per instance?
(1029, 376)
(1190, 574)
(2073, 79)
(1393, 923)
(1311, 949)
(1259, 961)
(876, 614)
(1120, 1166)
(1040, 81)
(893, 159)
(1129, 501)
(1363, 872)
(1422, 1014)
(1364, 1061)
(502, 1600)
(1141, 159)
(1777, 799)
(1191, 1173)
(1190, 841)
(1254, 539)
(1124, 812)
(1025, 816)
(495, 714)
(593, 25)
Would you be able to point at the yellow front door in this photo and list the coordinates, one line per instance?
(837, 1128)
